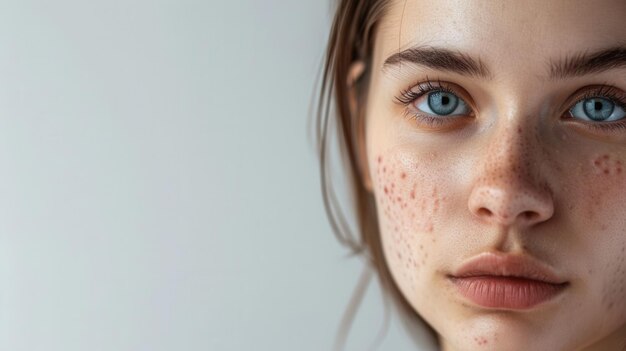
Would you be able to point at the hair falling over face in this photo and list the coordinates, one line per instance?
(350, 41)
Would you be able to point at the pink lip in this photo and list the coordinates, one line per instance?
(505, 281)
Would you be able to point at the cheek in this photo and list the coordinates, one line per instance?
(602, 189)
(409, 203)
(597, 209)
(614, 291)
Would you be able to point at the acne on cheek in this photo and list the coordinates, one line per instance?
(607, 177)
(409, 205)
(480, 340)
(607, 165)
(604, 193)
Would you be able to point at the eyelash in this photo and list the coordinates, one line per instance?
(408, 96)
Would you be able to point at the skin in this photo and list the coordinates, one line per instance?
(512, 177)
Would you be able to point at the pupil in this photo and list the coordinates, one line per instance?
(445, 100)
(598, 105)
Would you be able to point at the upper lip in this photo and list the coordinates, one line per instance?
(493, 264)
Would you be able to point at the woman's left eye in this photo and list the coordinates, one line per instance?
(442, 103)
(597, 109)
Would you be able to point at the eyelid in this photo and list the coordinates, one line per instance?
(600, 91)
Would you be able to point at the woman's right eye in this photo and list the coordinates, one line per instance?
(442, 103)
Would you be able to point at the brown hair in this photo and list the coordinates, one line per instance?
(352, 40)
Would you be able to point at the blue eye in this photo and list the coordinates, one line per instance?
(443, 103)
(597, 109)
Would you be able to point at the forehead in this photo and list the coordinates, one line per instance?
(522, 34)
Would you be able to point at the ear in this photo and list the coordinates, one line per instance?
(355, 72)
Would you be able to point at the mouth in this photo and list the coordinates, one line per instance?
(507, 282)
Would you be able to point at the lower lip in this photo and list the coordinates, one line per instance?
(506, 292)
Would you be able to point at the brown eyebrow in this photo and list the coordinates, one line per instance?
(588, 62)
(440, 59)
(576, 65)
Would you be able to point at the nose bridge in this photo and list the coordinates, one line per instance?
(508, 157)
(509, 187)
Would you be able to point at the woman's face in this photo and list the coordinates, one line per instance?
(518, 151)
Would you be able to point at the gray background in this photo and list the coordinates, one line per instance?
(158, 190)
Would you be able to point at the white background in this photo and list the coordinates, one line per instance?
(158, 188)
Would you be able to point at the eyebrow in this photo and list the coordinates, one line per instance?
(588, 62)
(575, 65)
(440, 59)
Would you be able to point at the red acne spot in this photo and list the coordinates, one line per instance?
(519, 130)
(480, 340)
(386, 190)
(403, 175)
(606, 157)
(429, 227)
(619, 170)
(606, 171)
(596, 162)
(412, 194)
(393, 185)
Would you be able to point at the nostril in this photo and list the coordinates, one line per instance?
(530, 215)
(484, 212)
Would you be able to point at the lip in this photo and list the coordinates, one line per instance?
(507, 281)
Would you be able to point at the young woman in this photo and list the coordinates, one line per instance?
(486, 141)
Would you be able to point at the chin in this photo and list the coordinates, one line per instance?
(500, 330)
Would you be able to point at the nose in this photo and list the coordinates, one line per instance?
(508, 188)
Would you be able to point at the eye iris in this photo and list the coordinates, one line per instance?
(442, 103)
(598, 109)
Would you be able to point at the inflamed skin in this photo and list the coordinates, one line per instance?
(495, 148)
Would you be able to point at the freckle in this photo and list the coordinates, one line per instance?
(619, 171)
(380, 159)
(399, 199)
(606, 171)
(393, 185)
(403, 175)
(412, 194)
(384, 169)
(606, 157)
(386, 190)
